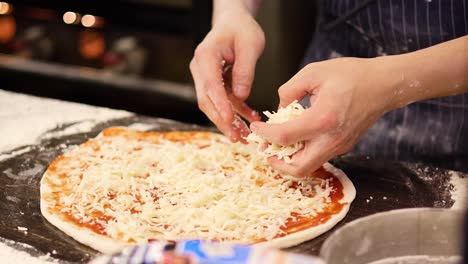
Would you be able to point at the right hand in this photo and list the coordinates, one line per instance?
(235, 39)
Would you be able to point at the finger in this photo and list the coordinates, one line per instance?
(206, 105)
(297, 87)
(290, 132)
(314, 155)
(284, 167)
(214, 116)
(239, 105)
(305, 162)
(211, 83)
(243, 70)
(239, 130)
(243, 109)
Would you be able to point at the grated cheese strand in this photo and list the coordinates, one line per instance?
(283, 152)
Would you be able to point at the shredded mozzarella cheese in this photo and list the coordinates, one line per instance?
(284, 152)
(175, 190)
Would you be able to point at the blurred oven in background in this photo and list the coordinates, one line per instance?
(131, 55)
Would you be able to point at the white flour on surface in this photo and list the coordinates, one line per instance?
(459, 192)
(10, 255)
(420, 260)
(14, 153)
(84, 126)
(23, 118)
(143, 126)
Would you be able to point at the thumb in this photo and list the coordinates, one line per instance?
(290, 132)
(301, 84)
(243, 71)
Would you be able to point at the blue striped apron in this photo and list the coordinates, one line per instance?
(433, 131)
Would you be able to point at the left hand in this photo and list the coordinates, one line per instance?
(347, 96)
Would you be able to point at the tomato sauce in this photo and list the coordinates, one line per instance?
(304, 222)
(95, 227)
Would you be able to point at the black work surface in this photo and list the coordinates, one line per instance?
(380, 185)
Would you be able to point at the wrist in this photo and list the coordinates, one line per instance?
(396, 86)
(223, 8)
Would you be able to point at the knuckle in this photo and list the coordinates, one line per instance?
(300, 171)
(309, 67)
(202, 104)
(254, 40)
(200, 51)
(283, 138)
(192, 65)
(261, 40)
(257, 33)
(328, 121)
(283, 90)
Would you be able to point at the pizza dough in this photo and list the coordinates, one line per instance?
(126, 187)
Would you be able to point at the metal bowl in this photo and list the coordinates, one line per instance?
(430, 234)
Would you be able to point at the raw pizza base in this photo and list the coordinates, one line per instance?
(297, 238)
(109, 245)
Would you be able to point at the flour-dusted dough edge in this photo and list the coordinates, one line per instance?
(83, 235)
(349, 193)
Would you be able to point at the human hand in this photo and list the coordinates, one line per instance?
(235, 40)
(347, 96)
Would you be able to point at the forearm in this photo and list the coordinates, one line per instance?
(438, 71)
(221, 6)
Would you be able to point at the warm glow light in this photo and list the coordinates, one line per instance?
(8, 28)
(5, 8)
(70, 17)
(91, 44)
(88, 20)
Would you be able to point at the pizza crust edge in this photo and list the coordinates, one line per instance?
(349, 193)
(81, 234)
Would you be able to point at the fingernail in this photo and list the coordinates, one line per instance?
(254, 127)
(255, 114)
(233, 136)
(236, 90)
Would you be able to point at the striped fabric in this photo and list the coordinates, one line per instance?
(433, 131)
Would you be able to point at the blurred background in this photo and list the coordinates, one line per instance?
(134, 54)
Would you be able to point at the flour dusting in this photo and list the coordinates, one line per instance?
(83, 126)
(14, 153)
(422, 259)
(459, 192)
(24, 119)
(25, 174)
(10, 254)
(143, 126)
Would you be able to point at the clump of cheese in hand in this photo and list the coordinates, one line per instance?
(292, 111)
